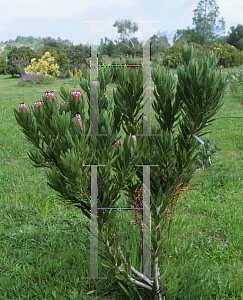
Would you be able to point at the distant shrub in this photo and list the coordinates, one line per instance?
(3, 65)
(15, 53)
(229, 55)
(63, 63)
(45, 66)
(172, 56)
(33, 79)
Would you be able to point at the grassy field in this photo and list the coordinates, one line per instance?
(47, 261)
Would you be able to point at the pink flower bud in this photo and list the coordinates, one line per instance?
(21, 107)
(134, 138)
(75, 94)
(96, 83)
(116, 144)
(38, 104)
(78, 120)
(51, 95)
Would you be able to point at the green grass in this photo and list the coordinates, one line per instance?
(47, 261)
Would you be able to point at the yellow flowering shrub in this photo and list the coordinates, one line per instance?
(77, 75)
(44, 66)
(228, 54)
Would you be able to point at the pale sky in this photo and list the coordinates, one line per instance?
(59, 18)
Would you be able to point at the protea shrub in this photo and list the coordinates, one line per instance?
(75, 94)
(21, 107)
(78, 120)
(116, 144)
(51, 95)
(38, 104)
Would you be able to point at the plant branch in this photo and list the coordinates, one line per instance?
(140, 284)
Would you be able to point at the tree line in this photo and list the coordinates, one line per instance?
(68, 56)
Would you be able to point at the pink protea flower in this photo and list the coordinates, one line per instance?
(78, 120)
(21, 107)
(96, 83)
(75, 94)
(51, 95)
(134, 138)
(38, 104)
(116, 144)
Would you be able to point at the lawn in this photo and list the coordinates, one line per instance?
(47, 261)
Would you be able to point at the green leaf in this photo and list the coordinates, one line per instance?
(113, 260)
(132, 152)
(106, 265)
(104, 236)
(119, 262)
(159, 251)
(170, 284)
(91, 292)
(167, 271)
(107, 257)
(160, 197)
(111, 241)
(120, 277)
(125, 290)
(196, 112)
(154, 245)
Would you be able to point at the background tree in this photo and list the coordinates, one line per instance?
(124, 47)
(101, 46)
(110, 49)
(76, 56)
(235, 38)
(50, 42)
(107, 47)
(63, 63)
(3, 65)
(205, 19)
(45, 49)
(123, 27)
(126, 28)
(53, 52)
(136, 47)
(60, 47)
(221, 40)
(15, 52)
(159, 42)
(189, 35)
